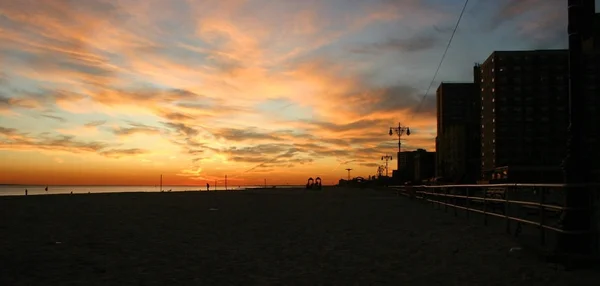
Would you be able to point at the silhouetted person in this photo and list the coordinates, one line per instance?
(25, 191)
(207, 187)
(46, 189)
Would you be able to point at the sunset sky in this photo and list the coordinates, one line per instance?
(119, 92)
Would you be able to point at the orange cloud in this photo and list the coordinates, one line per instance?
(187, 80)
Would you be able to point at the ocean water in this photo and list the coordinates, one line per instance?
(19, 190)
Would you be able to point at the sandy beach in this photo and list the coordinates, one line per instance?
(258, 237)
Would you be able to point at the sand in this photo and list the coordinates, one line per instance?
(259, 237)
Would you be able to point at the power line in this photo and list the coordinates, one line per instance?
(442, 60)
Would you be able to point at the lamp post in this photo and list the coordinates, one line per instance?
(400, 130)
(386, 158)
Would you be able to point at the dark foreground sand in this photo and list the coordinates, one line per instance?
(335, 237)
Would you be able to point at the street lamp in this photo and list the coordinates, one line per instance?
(400, 130)
(386, 158)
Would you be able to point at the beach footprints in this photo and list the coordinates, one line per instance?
(313, 183)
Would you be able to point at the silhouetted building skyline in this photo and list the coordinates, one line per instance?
(457, 140)
(415, 165)
(524, 112)
(424, 163)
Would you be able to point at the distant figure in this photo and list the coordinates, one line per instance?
(71, 192)
(25, 191)
(46, 189)
(207, 187)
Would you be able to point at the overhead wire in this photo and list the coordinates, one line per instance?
(462, 12)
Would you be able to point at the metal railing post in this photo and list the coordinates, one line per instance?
(542, 210)
(446, 193)
(455, 200)
(507, 208)
(485, 222)
(468, 202)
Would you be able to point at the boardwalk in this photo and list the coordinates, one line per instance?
(260, 237)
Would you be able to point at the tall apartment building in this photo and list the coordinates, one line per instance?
(457, 141)
(591, 92)
(416, 166)
(524, 111)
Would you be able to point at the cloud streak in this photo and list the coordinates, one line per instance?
(237, 86)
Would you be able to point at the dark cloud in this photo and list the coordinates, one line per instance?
(135, 129)
(177, 116)
(224, 64)
(95, 123)
(3, 79)
(259, 151)
(15, 102)
(233, 134)
(118, 153)
(147, 96)
(182, 129)
(39, 44)
(16, 140)
(334, 127)
(8, 131)
(402, 97)
(268, 156)
(57, 118)
(370, 165)
(407, 45)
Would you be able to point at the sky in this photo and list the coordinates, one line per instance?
(120, 92)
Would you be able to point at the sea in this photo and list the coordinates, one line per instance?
(19, 190)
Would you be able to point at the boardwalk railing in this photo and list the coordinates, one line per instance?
(540, 207)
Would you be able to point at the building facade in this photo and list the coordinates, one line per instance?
(415, 166)
(457, 141)
(424, 163)
(524, 111)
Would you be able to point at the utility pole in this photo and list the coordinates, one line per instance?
(575, 166)
(400, 130)
(387, 158)
(226, 182)
(348, 173)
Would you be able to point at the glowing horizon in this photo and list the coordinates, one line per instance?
(97, 93)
